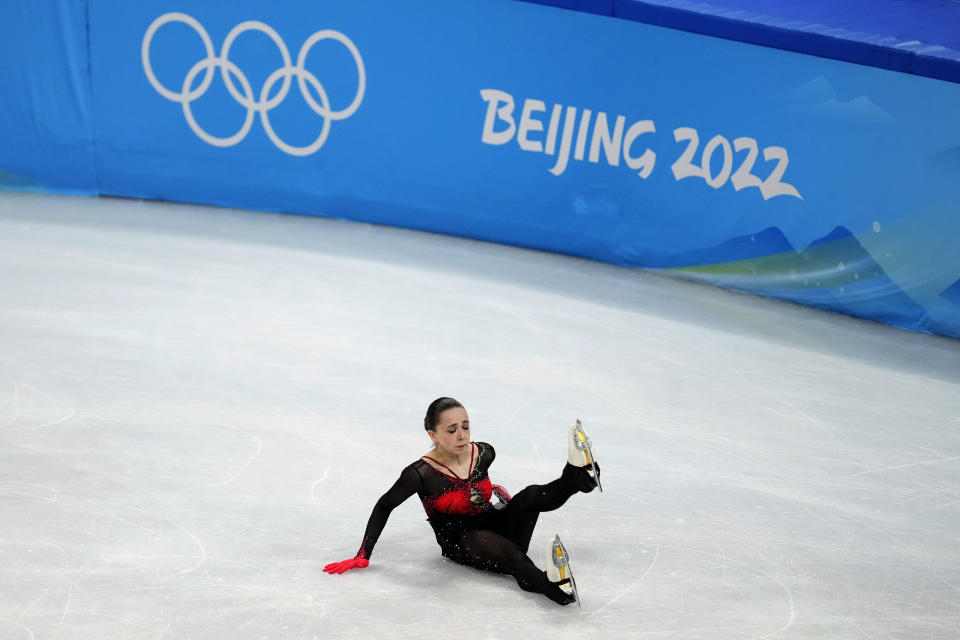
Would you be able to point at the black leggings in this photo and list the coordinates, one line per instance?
(501, 545)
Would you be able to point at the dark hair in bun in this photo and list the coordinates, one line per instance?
(437, 407)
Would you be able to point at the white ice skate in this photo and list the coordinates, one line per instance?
(580, 452)
(558, 568)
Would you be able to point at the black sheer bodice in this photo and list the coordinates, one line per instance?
(452, 503)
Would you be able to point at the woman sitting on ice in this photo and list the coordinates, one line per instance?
(455, 489)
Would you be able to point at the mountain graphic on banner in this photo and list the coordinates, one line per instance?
(852, 282)
(15, 181)
(952, 293)
(834, 272)
(947, 159)
(771, 241)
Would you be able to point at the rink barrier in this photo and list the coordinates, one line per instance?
(919, 37)
(791, 176)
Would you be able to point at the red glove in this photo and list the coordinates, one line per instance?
(346, 565)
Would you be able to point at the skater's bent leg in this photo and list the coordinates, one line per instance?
(543, 497)
(547, 497)
(520, 517)
(493, 552)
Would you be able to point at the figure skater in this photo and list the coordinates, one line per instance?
(453, 484)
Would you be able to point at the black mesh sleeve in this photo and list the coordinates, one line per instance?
(406, 485)
(488, 455)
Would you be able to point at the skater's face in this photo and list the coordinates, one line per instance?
(451, 434)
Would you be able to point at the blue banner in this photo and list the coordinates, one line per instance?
(791, 176)
(45, 119)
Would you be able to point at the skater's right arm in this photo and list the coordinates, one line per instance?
(406, 485)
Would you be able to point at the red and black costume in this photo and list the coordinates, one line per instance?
(469, 528)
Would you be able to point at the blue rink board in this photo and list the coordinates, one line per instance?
(917, 36)
(791, 176)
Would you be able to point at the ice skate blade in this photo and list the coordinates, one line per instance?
(584, 444)
(561, 564)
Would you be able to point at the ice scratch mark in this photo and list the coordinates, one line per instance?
(54, 493)
(16, 403)
(313, 487)
(514, 315)
(17, 624)
(726, 559)
(326, 471)
(252, 590)
(943, 506)
(793, 612)
(73, 503)
(203, 551)
(643, 575)
(897, 467)
(910, 444)
(778, 581)
(818, 424)
(56, 422)
(242, 468)
(66, 608)
(536, 450)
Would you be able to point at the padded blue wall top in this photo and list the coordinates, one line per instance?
(913, 36)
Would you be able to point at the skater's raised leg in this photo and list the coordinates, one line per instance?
(579, 475)
(520, 516)
(580, 452)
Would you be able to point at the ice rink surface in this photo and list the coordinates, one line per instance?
(199, 407)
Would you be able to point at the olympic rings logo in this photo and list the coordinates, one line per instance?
(246, 99)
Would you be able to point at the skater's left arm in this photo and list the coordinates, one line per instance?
(406, 485)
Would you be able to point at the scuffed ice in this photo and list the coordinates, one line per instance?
(199, 407)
